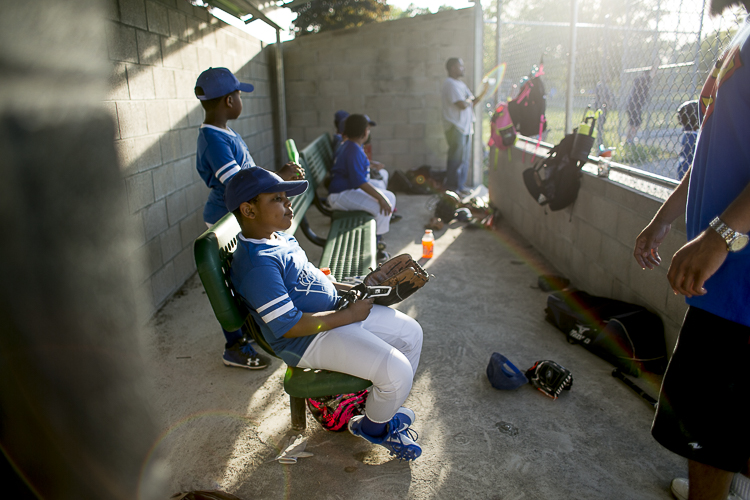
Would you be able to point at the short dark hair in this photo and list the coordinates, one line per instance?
(451, 62)
(355, 126)
(210, 104)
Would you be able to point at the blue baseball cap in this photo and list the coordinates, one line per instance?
(372, 123)
(217, 82)
(503, 374)
(339, 118)
(250, 182)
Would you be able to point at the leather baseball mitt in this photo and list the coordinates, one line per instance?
(402, 273)
(550, 378)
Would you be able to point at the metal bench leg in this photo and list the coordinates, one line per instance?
(299, 415)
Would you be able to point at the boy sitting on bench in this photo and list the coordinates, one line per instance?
(295, 305)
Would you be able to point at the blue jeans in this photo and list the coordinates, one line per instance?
(457, 169)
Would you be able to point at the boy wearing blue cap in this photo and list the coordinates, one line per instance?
(295, 306)
(221, 154)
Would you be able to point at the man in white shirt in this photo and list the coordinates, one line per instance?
(458, 116)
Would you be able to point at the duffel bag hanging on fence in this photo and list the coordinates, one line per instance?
(627, 335)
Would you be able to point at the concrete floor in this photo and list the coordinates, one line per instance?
(222, 425)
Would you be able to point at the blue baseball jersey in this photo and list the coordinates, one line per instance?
(277, 283)
(351, 168)
(687, 152)
(221, 154)
(721, 171)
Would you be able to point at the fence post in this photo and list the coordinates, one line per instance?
(498, 57)
(571, 67)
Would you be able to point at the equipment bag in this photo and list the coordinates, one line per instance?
(528, 108)
(624, 334)
(555, 180)
(502, 132)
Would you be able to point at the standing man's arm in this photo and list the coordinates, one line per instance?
(473, 101)
(647, 243)
(700, 258)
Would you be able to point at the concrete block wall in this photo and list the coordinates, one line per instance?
(591, 242)
(391, 71)
(157, 49)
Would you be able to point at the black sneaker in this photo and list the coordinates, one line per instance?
(243, 355)
(382, 256)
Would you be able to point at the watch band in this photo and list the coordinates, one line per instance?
(735, 240)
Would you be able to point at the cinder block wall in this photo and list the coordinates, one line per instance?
(592, 242)
(157, 49)
(392, 71)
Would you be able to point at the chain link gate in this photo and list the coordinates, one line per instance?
(637, 60)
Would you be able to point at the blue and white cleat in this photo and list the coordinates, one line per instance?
(398, 442)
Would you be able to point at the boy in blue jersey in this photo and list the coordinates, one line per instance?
(702, 411)
(339, 119)
(221, 154)
(295, 306)
(351, 186)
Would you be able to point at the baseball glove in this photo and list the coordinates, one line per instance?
(402, 273)
(550, 378)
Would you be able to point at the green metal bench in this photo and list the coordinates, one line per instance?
(349, 250)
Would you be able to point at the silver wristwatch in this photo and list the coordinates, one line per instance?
(736, 241)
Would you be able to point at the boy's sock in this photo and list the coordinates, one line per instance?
(373, 429)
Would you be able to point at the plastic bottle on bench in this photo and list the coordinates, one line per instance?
(327, 272)
(428, 243)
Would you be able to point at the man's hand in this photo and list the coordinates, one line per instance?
(695, 262)
(291, 172)
(360, 310)
(646, 251)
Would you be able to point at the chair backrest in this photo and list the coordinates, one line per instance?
(318, 158)
(213, 256)
(214, 251)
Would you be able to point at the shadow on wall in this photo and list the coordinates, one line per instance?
(157, 51)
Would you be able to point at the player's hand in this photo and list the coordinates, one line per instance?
(291, 172)
(376, 165)
(385, 205)
(646, 251)
(695, 262)
(360, 310)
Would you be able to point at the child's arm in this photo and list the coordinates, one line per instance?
(291, 172)
(312, 323)
(385, 205)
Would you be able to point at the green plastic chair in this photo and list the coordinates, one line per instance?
(214, 250)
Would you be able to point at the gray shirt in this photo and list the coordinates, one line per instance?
(455, 90)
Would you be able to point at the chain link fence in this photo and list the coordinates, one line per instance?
(638, 61)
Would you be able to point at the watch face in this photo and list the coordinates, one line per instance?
(738, 243)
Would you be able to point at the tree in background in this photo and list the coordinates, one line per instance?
(317, 16)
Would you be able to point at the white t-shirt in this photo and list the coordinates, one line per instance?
(453, 91)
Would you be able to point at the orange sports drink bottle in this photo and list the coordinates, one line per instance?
(428, 242)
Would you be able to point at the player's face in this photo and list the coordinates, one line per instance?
(273, 212)
(236, 105)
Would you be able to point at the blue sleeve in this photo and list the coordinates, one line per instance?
(271, 301)
(359, 167)
(221, 159)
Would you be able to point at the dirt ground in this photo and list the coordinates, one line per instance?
(222, 426)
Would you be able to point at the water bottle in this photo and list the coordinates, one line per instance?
(327, 272)
(428, 242)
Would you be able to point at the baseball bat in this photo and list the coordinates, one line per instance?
(618, 374)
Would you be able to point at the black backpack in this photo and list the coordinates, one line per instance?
(627, 335)
(554, 181)
(528, 108)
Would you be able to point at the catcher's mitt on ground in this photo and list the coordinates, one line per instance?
(550, 378)
(402, 273)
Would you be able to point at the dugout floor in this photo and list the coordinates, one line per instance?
(221, 426)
